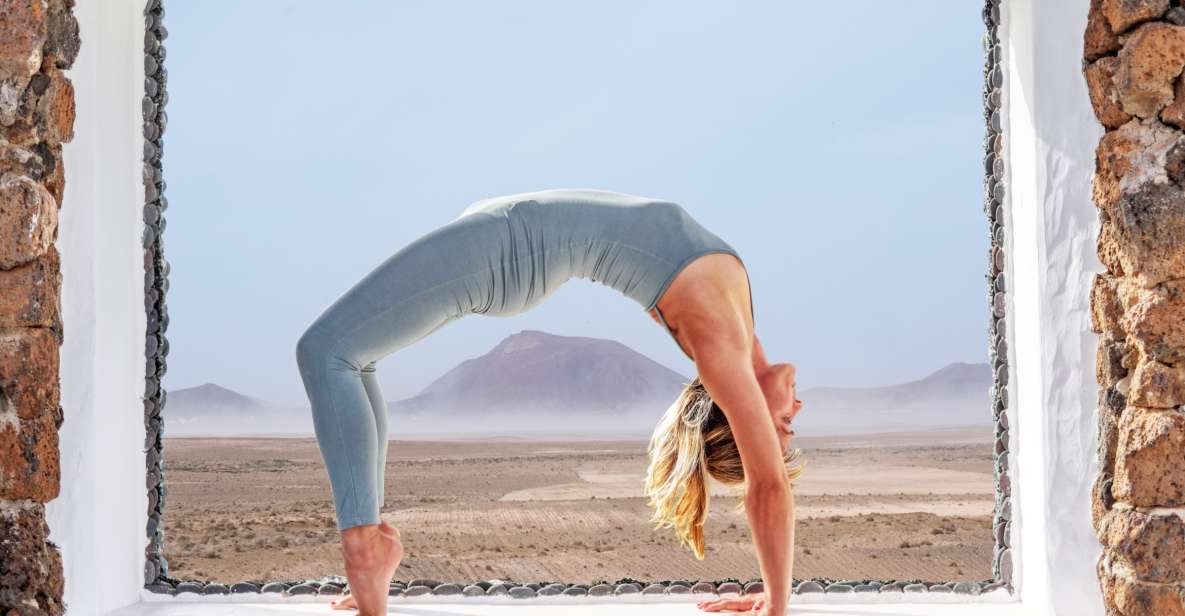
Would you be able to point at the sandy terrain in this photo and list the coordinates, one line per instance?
(894, 505)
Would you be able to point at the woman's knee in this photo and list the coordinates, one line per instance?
(310, 348)
(316, 348)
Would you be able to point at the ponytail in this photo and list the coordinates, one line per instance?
(676, 480)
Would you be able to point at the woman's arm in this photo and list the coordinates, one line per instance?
(728, 376)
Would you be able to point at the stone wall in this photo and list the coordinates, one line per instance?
(1134, 53)
(38, 40)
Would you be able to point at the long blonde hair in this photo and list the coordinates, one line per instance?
(691, 442)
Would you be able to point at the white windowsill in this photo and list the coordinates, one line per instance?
(996, 603)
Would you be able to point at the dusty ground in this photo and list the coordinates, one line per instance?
(886, 506)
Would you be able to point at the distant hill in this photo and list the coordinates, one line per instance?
(211, 410)
(956, 394)
(543, 381)
(536, 383)
(215, 396)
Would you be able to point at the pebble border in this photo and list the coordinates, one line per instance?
(994, 187)
(156, 284)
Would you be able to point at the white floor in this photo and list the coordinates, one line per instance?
(894, 605)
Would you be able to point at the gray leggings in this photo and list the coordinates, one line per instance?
(428, 283)
(501, 257)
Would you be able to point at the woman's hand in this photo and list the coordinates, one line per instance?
(752, 603)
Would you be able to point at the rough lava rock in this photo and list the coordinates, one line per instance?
(1100, 84)
(1149, 62)
(1123, 14)
(1149, 466)
(1137, 187)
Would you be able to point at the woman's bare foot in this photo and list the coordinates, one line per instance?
(372, 554)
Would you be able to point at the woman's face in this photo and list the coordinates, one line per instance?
(779, 383)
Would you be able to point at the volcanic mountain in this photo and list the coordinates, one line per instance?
(561, 381)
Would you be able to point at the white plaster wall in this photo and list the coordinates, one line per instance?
(1051, 136)
(99, 517)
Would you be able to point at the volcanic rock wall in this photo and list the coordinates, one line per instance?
(1134, 53)
(38, 40)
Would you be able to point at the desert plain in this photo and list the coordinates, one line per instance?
(893, 505)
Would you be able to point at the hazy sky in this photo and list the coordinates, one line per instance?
(836, 146)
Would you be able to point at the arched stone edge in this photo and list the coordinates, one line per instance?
(156, 284)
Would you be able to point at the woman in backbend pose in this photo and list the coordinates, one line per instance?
(503, 256)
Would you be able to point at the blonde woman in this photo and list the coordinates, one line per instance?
(504, 255)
